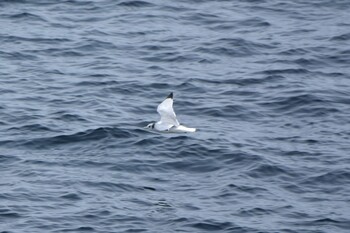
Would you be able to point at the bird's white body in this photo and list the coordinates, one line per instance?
(168, 121)
(159, 126)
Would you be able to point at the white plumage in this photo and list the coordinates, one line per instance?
(168, 121)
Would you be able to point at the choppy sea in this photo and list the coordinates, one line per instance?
(266, 83)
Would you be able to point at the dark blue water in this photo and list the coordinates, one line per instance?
(266, 83)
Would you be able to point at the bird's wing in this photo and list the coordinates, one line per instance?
(166, 111)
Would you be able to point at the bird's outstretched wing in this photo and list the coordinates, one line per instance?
(166, 111)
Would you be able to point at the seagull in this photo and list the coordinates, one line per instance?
(168, 121)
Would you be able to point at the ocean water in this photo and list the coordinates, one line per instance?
(266, 83)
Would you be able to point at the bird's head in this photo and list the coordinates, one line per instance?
(150, 126)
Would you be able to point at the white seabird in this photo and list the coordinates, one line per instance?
(168, 121)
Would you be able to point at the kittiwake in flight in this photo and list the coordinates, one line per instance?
(168, 121)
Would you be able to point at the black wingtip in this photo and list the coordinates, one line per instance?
(170, 96)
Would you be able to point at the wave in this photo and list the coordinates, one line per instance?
(269, 96)
(137, 4)
(333, 178)
(84, 136)
(233, 47)
(26, 16)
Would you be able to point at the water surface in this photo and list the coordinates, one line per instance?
(266, 83)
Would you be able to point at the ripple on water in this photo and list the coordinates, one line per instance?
(266, 86)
